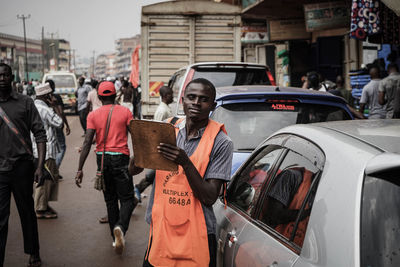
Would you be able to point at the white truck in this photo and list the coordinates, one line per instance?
(175, 34)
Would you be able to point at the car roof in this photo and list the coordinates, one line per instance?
(380, 134)
(232, 92)
(223, 64)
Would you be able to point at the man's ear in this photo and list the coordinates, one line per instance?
(214, 105)
(12, 77)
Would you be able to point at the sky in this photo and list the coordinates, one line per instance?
(87, 24)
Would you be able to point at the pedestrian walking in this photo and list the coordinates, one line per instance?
(389, 92)
(112, 159)
(93, 99)
(17, 172)
(51, 117)
(126, 97)
(59, 105)
(370, 96)
(82, 95)
(183, 224)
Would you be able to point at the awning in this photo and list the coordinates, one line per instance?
(393, 5)
(280, 9)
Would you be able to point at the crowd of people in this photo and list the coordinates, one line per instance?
(33, 130)
(380, 96)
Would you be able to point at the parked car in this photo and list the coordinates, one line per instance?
(66, 86)
(252, 113)
(220, 74)
(324, 194)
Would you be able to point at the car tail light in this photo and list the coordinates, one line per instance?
(271, 78)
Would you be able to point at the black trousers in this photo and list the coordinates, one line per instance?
(119, 187)
(82, 118)
(19, 182)
(212, 248)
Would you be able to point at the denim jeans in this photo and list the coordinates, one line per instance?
(62, 145)
(119, 187)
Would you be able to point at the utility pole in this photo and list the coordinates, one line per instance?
(43, 50)
(69, 60)
(23, 17)
(94, 52)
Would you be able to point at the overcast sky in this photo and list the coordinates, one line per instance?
(88, 24)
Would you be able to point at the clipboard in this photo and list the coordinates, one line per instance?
(146, 136)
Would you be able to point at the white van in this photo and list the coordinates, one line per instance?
(66, 86)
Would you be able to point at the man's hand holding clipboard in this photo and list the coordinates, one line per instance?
(146, 139)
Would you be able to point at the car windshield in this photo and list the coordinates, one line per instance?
(233, 76)
(380, 220)
(62, 80)
(248, 124)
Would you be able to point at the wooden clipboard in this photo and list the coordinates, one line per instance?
(146, 136)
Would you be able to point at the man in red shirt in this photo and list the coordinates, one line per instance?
(118, 182)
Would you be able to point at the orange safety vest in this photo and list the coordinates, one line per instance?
(178, 228)
(287, 229)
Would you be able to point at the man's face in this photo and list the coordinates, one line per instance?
(198, 102)
(169, 97)
(81, 81)
(6, 78)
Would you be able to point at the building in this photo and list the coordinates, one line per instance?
(57, 54)
(125, 47)
(105, 65)
(12, 52)
(297, 36)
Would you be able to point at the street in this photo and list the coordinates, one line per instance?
(76, 238)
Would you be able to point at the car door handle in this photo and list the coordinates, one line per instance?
(231, 236)
(274, 264)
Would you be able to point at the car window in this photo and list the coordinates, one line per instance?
(62, 80)
(380, 220)
(288, 201)
(176, 83)
(259, 120)
(239, 75)
(246, 188)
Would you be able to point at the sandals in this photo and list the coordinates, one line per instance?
(34, 261)
(103, 219)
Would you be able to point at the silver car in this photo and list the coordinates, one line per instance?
(325, 194)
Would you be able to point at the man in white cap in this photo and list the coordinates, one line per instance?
(51, 118)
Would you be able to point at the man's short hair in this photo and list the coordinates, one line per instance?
(206, 83)
(165, 90)
(4, 65)
(393, 66)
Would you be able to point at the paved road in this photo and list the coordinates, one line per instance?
(76, 238)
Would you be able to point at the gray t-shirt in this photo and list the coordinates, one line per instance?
(219, 167)
(391, 86)
(83, 95)
(370, 96)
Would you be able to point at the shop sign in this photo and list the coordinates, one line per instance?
(328, 15)
(254, 34)
(287, 30)
(246, 3)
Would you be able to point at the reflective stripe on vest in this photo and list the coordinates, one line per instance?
(178, 227)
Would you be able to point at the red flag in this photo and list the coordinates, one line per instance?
(134, 77)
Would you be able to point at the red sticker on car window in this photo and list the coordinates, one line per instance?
(282, 107)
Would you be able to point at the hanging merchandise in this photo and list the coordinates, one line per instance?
(365, 19)
(390, 25)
